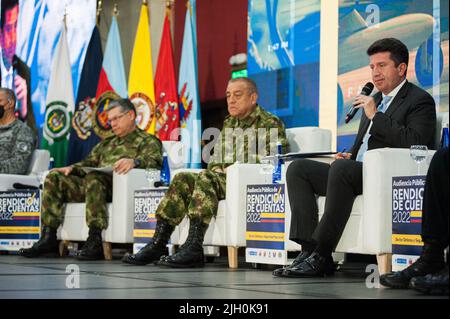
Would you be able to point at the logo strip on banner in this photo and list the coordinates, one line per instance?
(409, 240)
(145, 233)
(19, 230)
(265, 236)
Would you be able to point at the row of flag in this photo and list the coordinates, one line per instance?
(73, 128)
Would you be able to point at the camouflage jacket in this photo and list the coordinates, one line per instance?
(17, 143)
(249, 138)
(136, 145)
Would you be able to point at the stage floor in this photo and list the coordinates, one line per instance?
(47, 278)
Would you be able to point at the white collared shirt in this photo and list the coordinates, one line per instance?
(7, 75)
(393, 94)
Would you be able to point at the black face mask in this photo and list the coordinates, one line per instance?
(2, 111)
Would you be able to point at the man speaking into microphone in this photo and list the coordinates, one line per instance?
(399, 115)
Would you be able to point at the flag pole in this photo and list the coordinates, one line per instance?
(169, 6)
(99, 11)
(65, 17)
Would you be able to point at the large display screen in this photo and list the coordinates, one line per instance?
(421, 24)
(38, 30)
(283, 57)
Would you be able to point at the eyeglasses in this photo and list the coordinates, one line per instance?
(116, 118)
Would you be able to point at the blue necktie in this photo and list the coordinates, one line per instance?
(382, 108)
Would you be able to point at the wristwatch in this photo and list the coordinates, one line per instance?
(137, 163)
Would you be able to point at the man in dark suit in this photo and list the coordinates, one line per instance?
(399, 115)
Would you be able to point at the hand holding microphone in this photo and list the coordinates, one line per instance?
(362, 100)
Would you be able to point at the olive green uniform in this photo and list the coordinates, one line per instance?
(95, 188)
(198, 194)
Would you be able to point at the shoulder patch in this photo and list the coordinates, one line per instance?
(23, 147)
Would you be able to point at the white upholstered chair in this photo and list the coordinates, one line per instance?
(38, 164)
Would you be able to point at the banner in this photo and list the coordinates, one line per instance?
(167, 113)
(140, 84)
(407, 201)
(112, 83)
(265, 214)
(59, 104)
(145, 204)
(20, 215)
(82, 136)
(190, 119)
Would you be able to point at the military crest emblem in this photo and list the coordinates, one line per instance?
(185, 105)
(57, 121)
(99, 116)
(82, 119)
(145, 110)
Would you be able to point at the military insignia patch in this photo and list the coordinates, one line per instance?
(82, 119)
(145, 110)
(22, 147)
(57, 121)
(100, 118)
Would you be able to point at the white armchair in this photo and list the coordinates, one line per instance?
(369, 228)
(228, 228)
(120, 211)
(38, 164)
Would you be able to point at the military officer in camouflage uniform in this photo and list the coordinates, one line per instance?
(197, 195)
(17, 140)
(128, 148)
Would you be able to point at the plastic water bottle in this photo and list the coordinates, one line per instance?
(444, 140)
(276, 176)
(165, 171)
(51, 164)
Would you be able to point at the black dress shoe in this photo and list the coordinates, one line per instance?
(421, 267)
(313, 266)
(432, 284)
(299, 259)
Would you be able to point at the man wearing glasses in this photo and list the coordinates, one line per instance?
(128, 148)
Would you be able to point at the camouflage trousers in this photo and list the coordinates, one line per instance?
(94, 188)
(196, 195)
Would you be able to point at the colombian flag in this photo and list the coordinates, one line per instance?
(140, 84)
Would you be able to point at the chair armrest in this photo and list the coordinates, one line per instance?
(7, 180)
(238, 177)
(379, 167)
(123, 202)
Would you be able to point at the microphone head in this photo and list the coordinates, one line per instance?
(367, 89)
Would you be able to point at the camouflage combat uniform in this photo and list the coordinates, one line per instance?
(95, 188)
(198, 194)
(17, 143)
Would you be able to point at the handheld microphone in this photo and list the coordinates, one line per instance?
(366, 90)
